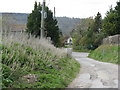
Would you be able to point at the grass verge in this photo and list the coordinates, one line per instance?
(106, 53)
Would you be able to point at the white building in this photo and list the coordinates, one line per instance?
(68, 41)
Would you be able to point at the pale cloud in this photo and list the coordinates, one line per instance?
(70, 8)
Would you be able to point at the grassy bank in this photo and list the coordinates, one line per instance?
(35, 63)
(106, 53)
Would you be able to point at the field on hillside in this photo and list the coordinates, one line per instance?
(29, 62)
(106, 53)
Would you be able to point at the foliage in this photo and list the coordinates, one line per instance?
(111, 24)
(23, 56)
(98, 23)
(89, 35)
(33, 23)
(82, 27)
(106, 53)
(51, 27)
(94, 35)
(79, 34)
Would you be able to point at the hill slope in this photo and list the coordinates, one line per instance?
(65, 24)
(15, 18)
(106, 53)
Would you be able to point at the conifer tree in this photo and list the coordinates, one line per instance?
(51, 27)
(97, 23)
(111, 23)
(117, 9)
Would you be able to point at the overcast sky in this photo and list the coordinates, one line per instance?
(69, 8)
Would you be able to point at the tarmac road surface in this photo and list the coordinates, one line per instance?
(94, 74)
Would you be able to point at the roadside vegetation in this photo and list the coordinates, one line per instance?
(106, 53)
(110, 26)
(29, 62)
(88, 35)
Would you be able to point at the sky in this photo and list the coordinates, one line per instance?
(68, 8)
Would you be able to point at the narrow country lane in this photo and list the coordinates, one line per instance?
(94, 74)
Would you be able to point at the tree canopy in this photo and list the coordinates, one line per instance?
(89, 35)
(51, 27)
(111, 23)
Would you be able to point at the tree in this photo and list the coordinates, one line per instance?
(111, 23)
(51, 27)
(94, 34)
(33, 21)
(81, 29)
(97, 23)
(117, 9)
(89, 35)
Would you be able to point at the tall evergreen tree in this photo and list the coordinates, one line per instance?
(111, 23)
(51, 27)
(117, 9)
(33, 22)
(93, 36)
(97, 23)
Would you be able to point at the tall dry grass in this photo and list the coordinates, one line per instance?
(23, 55)
(43, 45)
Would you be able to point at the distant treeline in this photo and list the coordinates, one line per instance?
(66, 24)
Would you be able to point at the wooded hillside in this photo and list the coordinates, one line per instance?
(66, 24)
